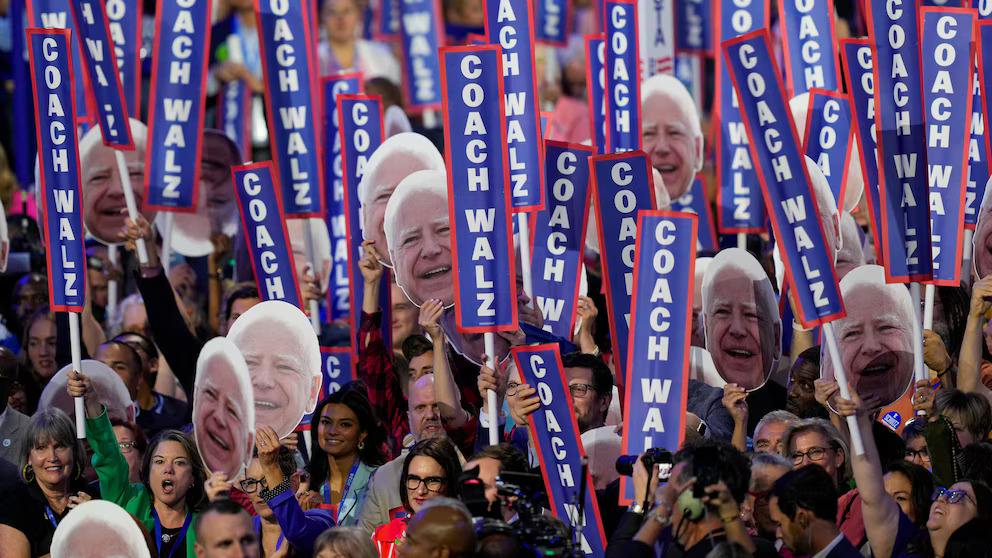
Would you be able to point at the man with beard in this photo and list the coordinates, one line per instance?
(590, 386)
(875, 338)
(383, 499)
(803, 507)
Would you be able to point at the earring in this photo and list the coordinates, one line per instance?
(28, 473)
(361, 445)
(79, 470)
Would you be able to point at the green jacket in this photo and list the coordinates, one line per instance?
(112, 469)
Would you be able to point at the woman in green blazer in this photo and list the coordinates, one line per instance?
(172, 474)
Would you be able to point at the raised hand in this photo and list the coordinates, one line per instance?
(369, 263)
(429, 319)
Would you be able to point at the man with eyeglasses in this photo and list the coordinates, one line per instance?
(766, 468)
(279, 521)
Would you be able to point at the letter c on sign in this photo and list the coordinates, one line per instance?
(621, 173)
(333, 367)
(746, 56)
(537, 365)
(470, 67)
(566, 162)
(359, 114)
(250, 183)
(47, 46)
(661, 233)
(946, 27)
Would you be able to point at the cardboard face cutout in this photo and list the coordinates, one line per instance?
(397, 158)
(223, 408)
(104, 212)
(216, 206)
(419, 234)
(671, 133)
(99, 529)
(741, 320)
(851, 254)
(109, 388)
(4, 240)
(875, 339)
(982, 241)
(283, 357)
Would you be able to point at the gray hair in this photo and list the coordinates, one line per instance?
(825, 429)
(116, 323)
(769, 459)
(779, 415)
(346, 541)
(51, 423)
(663, 84)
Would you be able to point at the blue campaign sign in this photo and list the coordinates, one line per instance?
(552, 22)
(829, 136)
(386, 26)
(660, 319)
(623, 90)
(180, 63)
(856, 55)
(100, 66)
(510, 24)
(337, 369)
(260, 205)
(809, 45)
(422, 36)
(948, 63)
(559, 235)
(338, 295)
(360, 132)
(738, 198)
(985, 63)
(784, 178)
(901, 139)
(52, 80)
(623, 184)
(55, 14)
(284, 39)
(978, 156)
(696, 201)
(478, 189)
(124, 20)
(596, 85)
(234, 114)
(693, 26)
(555, 435)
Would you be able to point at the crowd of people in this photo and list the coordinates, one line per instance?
(211, 431)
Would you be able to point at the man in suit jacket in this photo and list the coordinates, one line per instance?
(12, 423)
(804, 505)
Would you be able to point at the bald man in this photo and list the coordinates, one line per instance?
(442, 528)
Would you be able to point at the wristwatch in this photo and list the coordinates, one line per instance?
(637, 508)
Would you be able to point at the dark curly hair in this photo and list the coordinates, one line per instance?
(442, 451)
(355, 396)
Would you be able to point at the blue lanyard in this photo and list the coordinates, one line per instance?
(51, 516)
(258, 531)
(179, 537)
(344, 493)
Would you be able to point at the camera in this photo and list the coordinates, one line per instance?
(652, 457)
(530, 533)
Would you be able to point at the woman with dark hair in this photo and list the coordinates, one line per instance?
(348, 447)
(430, 469)
(890, 531)
(172, 474)
(38, 354)
(52, 463)
(911, 486)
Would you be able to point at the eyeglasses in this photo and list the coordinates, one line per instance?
(580, 390)
(250, 485)
(433, 484)
(814, 454)
(760, 496)
(951, 496)
(511, 388)
(126, 447)
(922, 453)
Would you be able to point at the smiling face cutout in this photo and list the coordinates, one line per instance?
(223, 408)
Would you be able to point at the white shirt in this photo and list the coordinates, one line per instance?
(826, 550)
